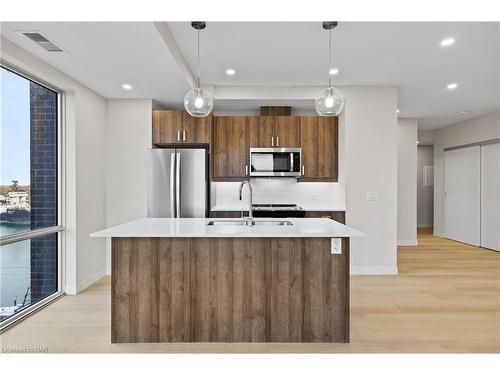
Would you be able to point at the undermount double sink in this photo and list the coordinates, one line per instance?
(245, 222)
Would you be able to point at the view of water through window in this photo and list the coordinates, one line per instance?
(28, 191)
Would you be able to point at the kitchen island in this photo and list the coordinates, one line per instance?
(218, 280)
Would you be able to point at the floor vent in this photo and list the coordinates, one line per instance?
(42, 41)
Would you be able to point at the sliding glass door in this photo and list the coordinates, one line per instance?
(30, 223)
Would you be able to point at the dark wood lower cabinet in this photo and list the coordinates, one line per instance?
(227, 214)
(229, 290)
(335, 215)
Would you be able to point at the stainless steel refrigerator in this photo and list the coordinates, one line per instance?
(178, 182)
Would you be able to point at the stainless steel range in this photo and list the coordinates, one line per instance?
(277, 210)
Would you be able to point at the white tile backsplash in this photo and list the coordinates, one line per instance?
(310, 195)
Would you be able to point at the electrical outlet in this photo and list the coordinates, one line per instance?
(336, 247)
(314, 197)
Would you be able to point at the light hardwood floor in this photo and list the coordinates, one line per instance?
(446, 298)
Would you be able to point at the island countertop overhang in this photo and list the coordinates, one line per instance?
(189, 227)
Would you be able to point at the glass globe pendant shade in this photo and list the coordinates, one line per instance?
(198, 102)
(330, 102)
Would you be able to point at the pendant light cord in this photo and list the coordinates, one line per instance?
(329, 57)
(198, 70)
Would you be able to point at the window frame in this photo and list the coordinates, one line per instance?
(61, 183)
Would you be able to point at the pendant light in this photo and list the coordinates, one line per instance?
(198, 102)
(330, 101)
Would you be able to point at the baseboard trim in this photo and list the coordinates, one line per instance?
(374, 270)
(96, 276)
(407, 243)
(70, 289)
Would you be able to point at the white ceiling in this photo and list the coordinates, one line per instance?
(105, 55)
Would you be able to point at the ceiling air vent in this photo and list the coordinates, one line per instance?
(42, 41)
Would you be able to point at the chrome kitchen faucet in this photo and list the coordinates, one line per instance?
(249, 219)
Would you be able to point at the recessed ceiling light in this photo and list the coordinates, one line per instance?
(447, 42)
(397, 110)
(463, 113)
(418, 142)
(127, 86)
(230, 72)
(452, 86)
(333, 71)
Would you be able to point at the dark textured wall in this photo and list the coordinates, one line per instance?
(43, 132)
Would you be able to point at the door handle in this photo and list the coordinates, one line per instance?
(178, 185)
(172, 184)
(303, 170)
(277, 141)
(272, 141)
(178, 135)
(246, 170)
(184, 135)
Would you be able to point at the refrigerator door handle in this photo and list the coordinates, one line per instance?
(172, 184)
(178, 184)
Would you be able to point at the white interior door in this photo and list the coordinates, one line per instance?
(462, 189)
(490, 196)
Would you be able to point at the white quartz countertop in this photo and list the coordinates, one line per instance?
(167, 227)
(244, 207)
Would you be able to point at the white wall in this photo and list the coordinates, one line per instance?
(84, 139)
(90, 186)
(129, 138)
(425, 137)
(370, 164)
(425, 194)
(477, 129)
(407, 182)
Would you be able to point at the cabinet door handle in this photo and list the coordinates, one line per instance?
(246, 170)
(272, 141)
(303, 170)
(277, 141)
(184, 135)
(178, 135)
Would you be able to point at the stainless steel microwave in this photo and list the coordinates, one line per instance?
(275, 162)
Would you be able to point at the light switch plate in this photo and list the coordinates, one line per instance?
(373, 195)
(336, 247)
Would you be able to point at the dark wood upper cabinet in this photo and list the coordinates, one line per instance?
(230, 145)
(167, 126)
(231, 137)
(287, 131)
(276, 131)
(262, 132)
(319, 142)
(275, 111)
(171, 127)
(197, 129)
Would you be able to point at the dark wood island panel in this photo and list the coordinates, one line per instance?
(229, 290)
